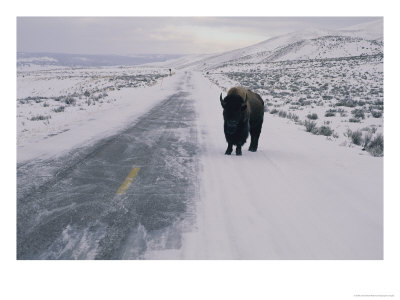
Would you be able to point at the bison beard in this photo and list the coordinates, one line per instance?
(243, 113)
(237, 137)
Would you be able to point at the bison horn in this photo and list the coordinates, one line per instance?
(222, 101)
(244, 104)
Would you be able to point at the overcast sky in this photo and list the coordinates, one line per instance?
(159, 35)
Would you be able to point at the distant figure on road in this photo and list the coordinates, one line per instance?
(170, 72)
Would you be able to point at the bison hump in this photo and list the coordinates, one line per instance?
(239, 91)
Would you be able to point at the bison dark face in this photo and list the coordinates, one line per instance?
(236, 125)
(234, 112)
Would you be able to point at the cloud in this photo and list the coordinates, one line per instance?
(164, 35)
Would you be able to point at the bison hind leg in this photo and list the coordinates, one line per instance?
(253, 145)
(255, 130)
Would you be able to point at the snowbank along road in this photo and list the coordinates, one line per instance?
(163, 189)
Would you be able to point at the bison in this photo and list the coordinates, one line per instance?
(243, 112)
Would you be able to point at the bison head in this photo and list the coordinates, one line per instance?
(234, 111)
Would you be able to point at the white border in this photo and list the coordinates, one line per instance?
(198, 279)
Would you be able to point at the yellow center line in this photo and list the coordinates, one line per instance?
(128, 181)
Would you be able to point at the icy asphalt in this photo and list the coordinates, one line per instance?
(74, 210)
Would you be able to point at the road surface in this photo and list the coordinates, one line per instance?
(83, 209)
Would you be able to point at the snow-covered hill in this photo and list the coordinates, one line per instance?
(361, 39)
(181, 62)
(371, 30)
(35, 60)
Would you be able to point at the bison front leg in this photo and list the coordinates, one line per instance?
(239, 150)
(229, 149)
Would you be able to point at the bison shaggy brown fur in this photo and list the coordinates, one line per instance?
(243, 113)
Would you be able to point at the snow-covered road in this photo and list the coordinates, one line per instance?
(118, 197)
(298, 197)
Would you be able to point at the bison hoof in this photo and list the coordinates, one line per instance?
(253, 148)
(228, 153)
(238, 152)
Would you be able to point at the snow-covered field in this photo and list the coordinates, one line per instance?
(342, 95)
(93, 101)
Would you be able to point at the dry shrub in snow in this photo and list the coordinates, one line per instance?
(70, 101)
(330, 113)
(293, 117)
(354, 120)
(358, 113)
(282, 114)
(325, 130)
(367, 139)
(40, 118)
(356, 137)
(375, 146)
(59, 109)
(312, 116)
(310, 126)
(376, 114)
(274, 111)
